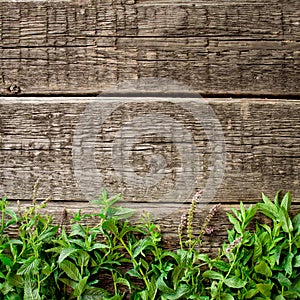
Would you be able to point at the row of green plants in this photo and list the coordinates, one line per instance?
(117, 259)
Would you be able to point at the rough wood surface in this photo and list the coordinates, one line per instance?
(232, 149)
(216, 47)
(121, 144)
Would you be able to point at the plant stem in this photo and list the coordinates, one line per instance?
(135, 263)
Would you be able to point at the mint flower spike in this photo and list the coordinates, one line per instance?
(190, 217)
(207, 220)
(233, 244)
(181, 226)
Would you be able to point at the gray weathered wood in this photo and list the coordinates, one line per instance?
(37, 138)
(216, 47)
(222, 47)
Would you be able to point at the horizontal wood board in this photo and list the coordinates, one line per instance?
(85, 47)
(260, 140)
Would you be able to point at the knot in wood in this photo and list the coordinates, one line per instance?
(14, 89)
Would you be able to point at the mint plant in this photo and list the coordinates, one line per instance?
(261, 259)
(28, 270)
(262, 263)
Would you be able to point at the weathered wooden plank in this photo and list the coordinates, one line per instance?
(215, 47)
(154, 150)
(269, 20)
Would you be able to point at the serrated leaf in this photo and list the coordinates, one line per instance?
(297, 261)
(277, 253)
(110, 225)
(162, 286)
(268, 208)
(296, 222)
(122, 213)
(134, 273)
(80, 287)
(15, 280)
(286, 201)
(13, 296)
(265, 288)
(77, 229)
(143, 295)
(180, 292)
(263, 268)
(177, 273)
(257, 248)
(287, 263)
(235, 282)
(272, 261)
(29, 266)
(5, 259)
(66, 252)
(214, 289)
(70, 269)
(221, 265)
(227, 297)
(30, 292)
(49, 233)
(124, 282)
(113, 199)
(152, 290)
(47, 269)
(83, 258)
(237, 214)
(267, 228)
(285, 220)
(283, 280)
(78, 242)
(144, 264)
(213, 275)
(235, 222)
(264, 238)
(98, 246)
(247, 256)
(250, 213)
(243, 210)
(251, 293)
(68, 282)
(10, 212)
(141, 246)
(204, 257)
(92, 292)
(6, 288)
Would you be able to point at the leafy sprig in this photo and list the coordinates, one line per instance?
(261, 259)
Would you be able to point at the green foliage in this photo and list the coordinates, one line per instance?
(259, 261)
(264, 261)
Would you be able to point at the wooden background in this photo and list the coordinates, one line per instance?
(243, 57)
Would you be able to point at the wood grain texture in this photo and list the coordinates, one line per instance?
(129, 141)
(216, 47)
